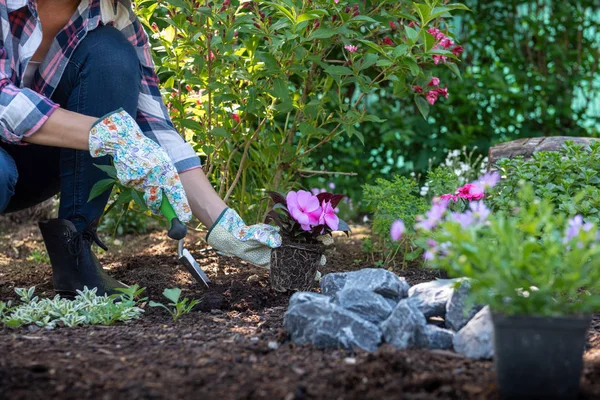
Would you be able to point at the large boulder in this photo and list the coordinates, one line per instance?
(431, 297)
(369, 305)
(434, 337)
(404, 326)
(306, 297)
(458, 311)
(327, 325)
(476, 339)
(376, 280)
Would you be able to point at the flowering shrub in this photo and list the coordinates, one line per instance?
(531, 260)
(304, 217)
(258, 86)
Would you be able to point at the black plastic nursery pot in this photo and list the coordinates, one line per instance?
(294, 266)
(539, 357)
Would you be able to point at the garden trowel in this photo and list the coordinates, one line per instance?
(178, 231)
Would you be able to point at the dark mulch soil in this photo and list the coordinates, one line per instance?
(232, 347)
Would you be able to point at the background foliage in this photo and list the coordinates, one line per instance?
(529, 69)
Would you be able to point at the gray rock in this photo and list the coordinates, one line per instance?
(377, 280)
(458, 312)
(306, 297)
(329, 326)
(332, 283)
(404, 326)
(434, 337)
(369, 305)
(476, 339)
(431, 297)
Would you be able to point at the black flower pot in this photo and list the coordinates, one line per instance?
(539, 357)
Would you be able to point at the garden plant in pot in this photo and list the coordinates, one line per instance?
(538, 270)
(306, 222)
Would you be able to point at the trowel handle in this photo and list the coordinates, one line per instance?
(177, 230)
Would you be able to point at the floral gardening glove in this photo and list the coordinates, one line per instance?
(140, 162)
(232, 237)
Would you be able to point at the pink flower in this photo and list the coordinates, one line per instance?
(328, 216)
(388, 41)
(457, 50)
(412, 24)
(432, 97)
(236, 118)
(304, 208)
(418, 89)
(397, 229)
(439, 59)
(393, 25)
(434, 81)
(351, 48)
(336, 1)
(470, 192)
(449, 196)
(446, 42)
(442, 92)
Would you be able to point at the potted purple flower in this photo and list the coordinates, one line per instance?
(306, 222)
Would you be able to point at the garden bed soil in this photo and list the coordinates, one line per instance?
(231, 347)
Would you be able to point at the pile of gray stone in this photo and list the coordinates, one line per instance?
(366, 308)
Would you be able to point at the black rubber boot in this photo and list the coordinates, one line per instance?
(74, 265)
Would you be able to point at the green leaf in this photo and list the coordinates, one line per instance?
(220, 132)
(422, 105)
(287, 13)
(368, 60)
(458, 6)
(454, 68)
(337, 70)
(307, 17)
(372, 45)
(373, 118)
(139, 199)
(155, 304)
(100, 187)
(191, 124)
(438, 12)
(322, 33)
(400, 51)
(178, 3)
(363, 18)
(411, 34)
(172, 294)
(281, 91)
(109, 169)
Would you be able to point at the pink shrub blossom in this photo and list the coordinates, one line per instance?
(432, 97)
(434, 81)
(304, 208)
(388, 41)
(442, 92)
(457, 50)
(418, 89)
(351, 48)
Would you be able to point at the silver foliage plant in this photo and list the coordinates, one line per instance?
(86, 309)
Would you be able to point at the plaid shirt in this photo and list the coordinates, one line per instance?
(23, 111)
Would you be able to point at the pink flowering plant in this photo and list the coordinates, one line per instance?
(258, 86)
(532, 260)
(304, 216)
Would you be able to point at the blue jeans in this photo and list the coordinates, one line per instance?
(102, 75)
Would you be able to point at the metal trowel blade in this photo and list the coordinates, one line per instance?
(192, 266)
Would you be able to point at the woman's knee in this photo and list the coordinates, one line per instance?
(110, 56)
(8, 179)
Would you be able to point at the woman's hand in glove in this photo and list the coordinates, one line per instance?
(140, 162)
